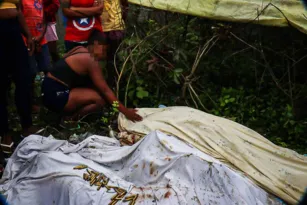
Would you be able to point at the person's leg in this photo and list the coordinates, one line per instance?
(5, 51)
(52, 45)
(115, 38)
(22, 77)
(52, 37)
(8, 59)
(43, 59)
(33, 70)
(83, 101)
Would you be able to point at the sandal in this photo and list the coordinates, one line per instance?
(7, 149)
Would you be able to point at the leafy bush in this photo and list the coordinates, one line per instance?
(246, 73)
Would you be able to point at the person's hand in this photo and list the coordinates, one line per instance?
(132, 115)
(99, 9)
(37, 45)
(31, 45)
(39, 38)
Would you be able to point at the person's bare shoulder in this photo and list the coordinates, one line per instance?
(80, 60)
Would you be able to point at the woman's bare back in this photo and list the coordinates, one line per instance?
(79, 60)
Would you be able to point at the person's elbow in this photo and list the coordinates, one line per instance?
(67, 12)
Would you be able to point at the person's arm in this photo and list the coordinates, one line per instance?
(24, 28)
(99, 81)
(89, 11)
(39, 38)
(51, 9)
(82, 12)
(67, 12)
(73, 12)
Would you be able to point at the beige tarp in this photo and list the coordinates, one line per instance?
(266, 12)
(280, 171)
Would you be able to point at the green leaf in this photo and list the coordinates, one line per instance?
(232, 99)
(140, 81)
(131, 94)
(139, 88)
(142, 94)
(176, 80)
(178, 70)
(135, 103)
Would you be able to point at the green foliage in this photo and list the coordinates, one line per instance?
(245, 77)
(251, 75)
(269, 115)
(111, 114)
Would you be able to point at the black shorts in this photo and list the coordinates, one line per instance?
(55, 95)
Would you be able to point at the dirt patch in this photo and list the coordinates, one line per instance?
(152, 168)
(167, 195)
(167, 158)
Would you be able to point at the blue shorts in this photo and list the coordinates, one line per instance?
(55, 95)
(40, 62)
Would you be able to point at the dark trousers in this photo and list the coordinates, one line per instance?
(15, 63)
(114, 39)
(71, 44)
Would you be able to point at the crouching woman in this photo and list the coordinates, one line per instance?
(76, 86)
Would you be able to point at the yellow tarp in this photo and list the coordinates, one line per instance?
(272, 13)
(280, 171)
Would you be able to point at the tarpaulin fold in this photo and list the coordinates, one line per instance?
(158, 170)
(278, 170)
(265, 12)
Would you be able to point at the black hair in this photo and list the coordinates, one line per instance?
(97, 35)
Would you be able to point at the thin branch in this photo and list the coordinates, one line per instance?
(125, 63)
(195, 103)
(193, 91)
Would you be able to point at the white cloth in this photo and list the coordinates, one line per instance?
(161, 169)
(278, 170)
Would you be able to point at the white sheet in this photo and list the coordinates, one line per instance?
(278, 170)
(160, 169)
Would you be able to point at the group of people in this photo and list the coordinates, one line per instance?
(73, 85)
